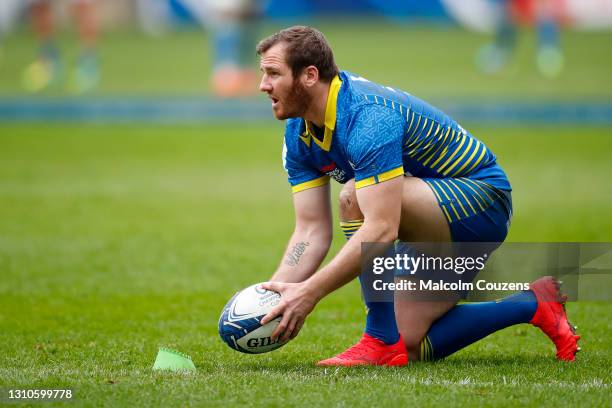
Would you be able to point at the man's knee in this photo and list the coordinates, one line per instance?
(412, 339)
(347, 200)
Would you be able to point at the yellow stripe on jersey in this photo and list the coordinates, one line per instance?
(433, 185)
(318, 182)
(482, 154)
(427, 150)
(423, 139)
(365, 182)
(416, 128)
(379, 178)
(416, 131)
(443, 154)
(491, 189)
(465, 152)
(429, 131)
(478, 196)
(388, 175)
(483, 186)
(469, 159)
(455, 195)
(306, 138)
(450, 202)
(437, 149)
(452, 181)
(436, 193)
(429, 143)
(411, 120)
(437, 131)
(330, 118)
(457, 150)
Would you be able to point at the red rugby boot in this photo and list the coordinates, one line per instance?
(551, 318)
(370, 351)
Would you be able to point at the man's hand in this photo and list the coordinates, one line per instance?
(297, 301)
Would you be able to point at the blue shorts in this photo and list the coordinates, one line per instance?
(476, 211)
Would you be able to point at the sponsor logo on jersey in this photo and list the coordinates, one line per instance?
(334, 172)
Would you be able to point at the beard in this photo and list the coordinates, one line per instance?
(297, 101)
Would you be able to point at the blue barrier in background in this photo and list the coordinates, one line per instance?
(204, 110)
(393, 9)
(389, 8)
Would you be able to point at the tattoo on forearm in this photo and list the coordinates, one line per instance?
(293, 256)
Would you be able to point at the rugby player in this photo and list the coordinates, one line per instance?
(46, 71)
(409, 172)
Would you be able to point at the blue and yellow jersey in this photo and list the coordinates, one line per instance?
(374, 133)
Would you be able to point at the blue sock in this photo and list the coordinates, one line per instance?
(226, 44)
(380, 320)
(467, 323)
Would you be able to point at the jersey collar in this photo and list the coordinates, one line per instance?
(330, 118)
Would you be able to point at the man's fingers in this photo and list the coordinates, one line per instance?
(289, 331)
(273, 314)
(280, 329)
(273, 286)
(297, 329)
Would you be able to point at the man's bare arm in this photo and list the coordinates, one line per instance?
(311, 238)
(381, 207)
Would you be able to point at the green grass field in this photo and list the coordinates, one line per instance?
(115, 240)
(118, 239)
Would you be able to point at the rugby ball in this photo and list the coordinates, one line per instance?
(239, 324)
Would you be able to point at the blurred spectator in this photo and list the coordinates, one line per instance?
(47, 70)
(234, 26)
(511, 13)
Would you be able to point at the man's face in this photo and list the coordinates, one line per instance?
(290, 98)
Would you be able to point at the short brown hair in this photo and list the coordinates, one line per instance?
(305, 46)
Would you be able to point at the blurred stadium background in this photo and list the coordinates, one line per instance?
(130, 212)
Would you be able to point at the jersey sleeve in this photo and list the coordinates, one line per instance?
(375, 145)
(301, 175)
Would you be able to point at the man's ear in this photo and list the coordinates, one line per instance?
(310, 76)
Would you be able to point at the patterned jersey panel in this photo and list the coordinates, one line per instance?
(370, 154)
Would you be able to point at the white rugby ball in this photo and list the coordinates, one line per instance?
(239, 324)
